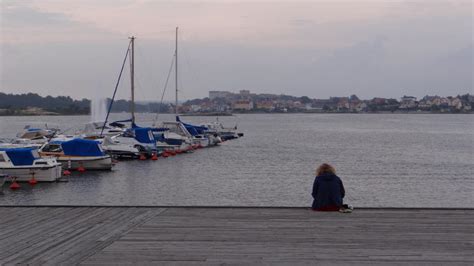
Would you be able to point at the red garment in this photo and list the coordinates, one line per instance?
(331, 208)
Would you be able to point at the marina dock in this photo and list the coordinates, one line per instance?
(239, 235)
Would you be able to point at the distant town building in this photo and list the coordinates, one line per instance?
(244, 100)
(408, 102)
(219, 94)
(456, 103)
(379, 101)
(265, 105)
(354, 98)
(195, 108)
(244, 92)
(343, 103)
(320, 104)
(244, 105)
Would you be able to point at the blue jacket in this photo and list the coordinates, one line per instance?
(328, 190)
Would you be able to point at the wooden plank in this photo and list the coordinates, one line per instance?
(104, 236)
(56, 228)
(235, 235)
(294, 236)
(82, 238)
(62, 239)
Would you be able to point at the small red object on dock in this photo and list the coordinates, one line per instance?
(165, 154)
(33, 180)
(154, 157)
(81, 169)
(66, 172)
(14, 185)
(142, 157)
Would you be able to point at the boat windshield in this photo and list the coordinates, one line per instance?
(52, 148)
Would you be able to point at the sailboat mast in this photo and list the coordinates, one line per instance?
(132, 78)
(176, 72)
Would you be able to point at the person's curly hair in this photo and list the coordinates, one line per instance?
(325, 169)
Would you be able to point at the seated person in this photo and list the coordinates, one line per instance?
(328, 190)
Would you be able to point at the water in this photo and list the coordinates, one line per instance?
(384, 160)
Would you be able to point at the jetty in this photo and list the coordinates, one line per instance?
(85, 235)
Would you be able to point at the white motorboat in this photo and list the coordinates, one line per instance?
(224, 133)
(121, 147)
(174, 135)
(201, 135)
(77, 154)
(38, 134)
(25, 164)
(95, 130)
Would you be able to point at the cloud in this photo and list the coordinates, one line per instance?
(300, 22)
(315, 48)
(22, 22)
(22, 16)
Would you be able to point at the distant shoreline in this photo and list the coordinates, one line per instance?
(244, 113)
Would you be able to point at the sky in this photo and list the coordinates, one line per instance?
(319, 49)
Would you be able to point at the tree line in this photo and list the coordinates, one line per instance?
(65, 105)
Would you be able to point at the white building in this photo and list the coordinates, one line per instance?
(219, 94)
(243, 105)
(408, 102)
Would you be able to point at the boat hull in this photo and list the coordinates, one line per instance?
(123, 154)
(42, 174)
(228, 136)
(88, 163)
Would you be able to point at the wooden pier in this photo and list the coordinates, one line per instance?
(208, 235)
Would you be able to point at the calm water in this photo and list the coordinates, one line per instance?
(389, 160)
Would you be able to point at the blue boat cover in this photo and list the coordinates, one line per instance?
(144, 135)
(81, 147)
(160, 129)
(194, 130)
(20, 156)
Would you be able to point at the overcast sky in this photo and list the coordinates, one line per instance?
(313, 48)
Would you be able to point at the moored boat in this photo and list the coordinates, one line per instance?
(201, 135)
(38, 133)
(132, 143)
(78, 154)
(25, 164)
(225, 133)
(94, 130)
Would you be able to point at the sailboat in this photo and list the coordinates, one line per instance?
(177, 133)
(210, 134)
(133, 141)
